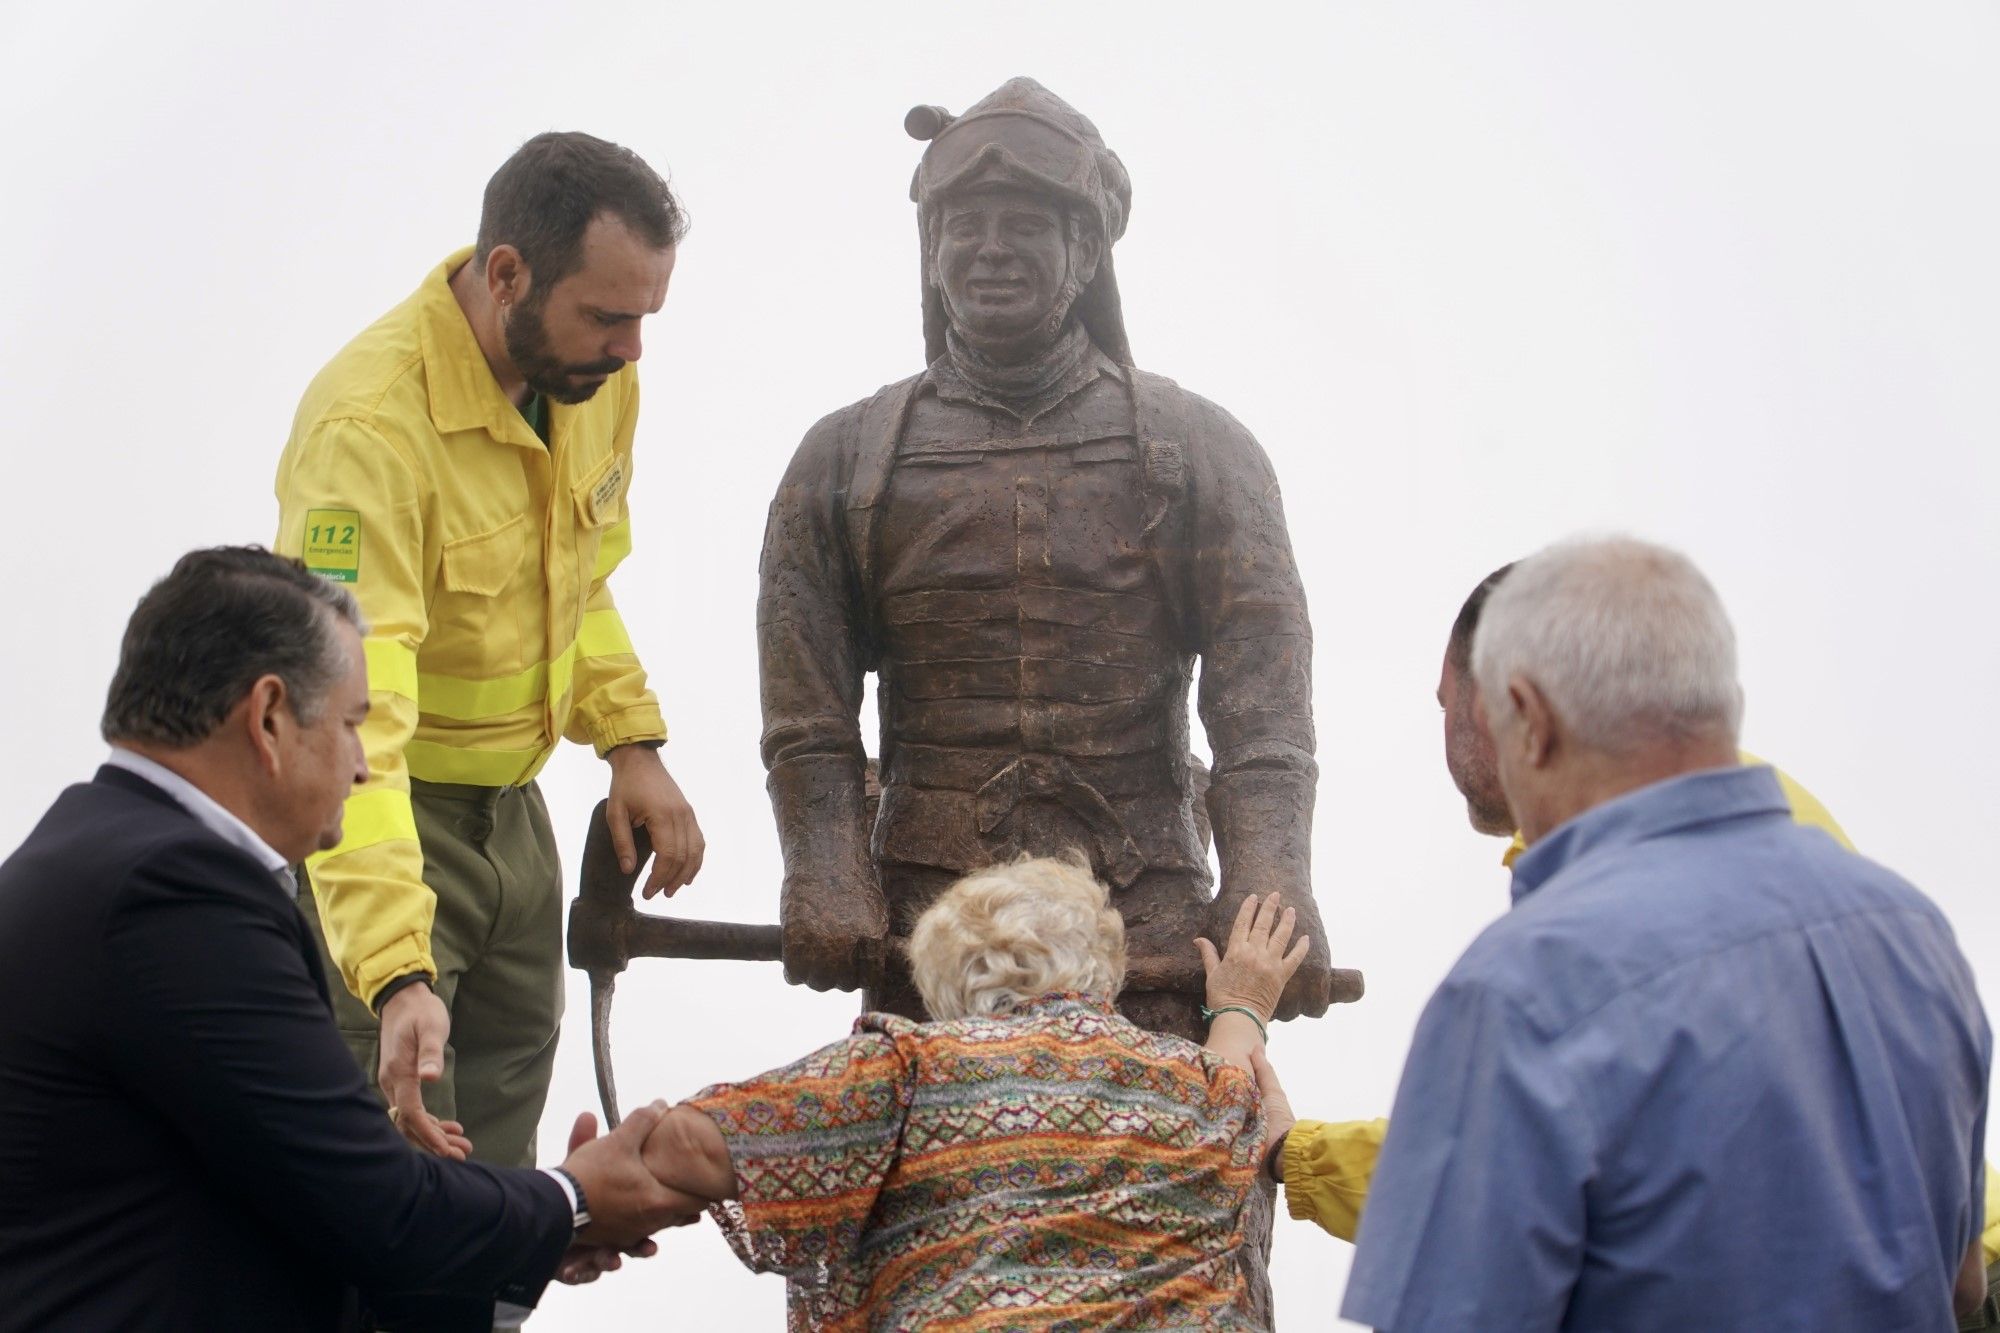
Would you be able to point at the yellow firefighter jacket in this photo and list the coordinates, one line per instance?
(479, 557)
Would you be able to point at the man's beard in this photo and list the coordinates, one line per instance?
(528, 348)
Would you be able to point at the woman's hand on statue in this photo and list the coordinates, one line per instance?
(1255, 963)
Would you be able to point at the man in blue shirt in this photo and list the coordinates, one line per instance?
(1711, 1071)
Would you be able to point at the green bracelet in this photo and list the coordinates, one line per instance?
(1208, 1015)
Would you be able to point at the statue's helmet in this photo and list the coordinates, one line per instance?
(1022, 136)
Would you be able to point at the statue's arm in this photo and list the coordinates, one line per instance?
(812, 657)
(1255, 697)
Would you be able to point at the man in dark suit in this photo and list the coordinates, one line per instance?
(184, 1140)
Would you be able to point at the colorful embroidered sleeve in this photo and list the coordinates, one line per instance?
(812, 1144)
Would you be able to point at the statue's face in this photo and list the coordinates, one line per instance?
(1007, 266)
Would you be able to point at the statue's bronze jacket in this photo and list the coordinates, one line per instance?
(1034, 595)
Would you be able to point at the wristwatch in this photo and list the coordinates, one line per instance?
(1273, 1158)
(582, 1210)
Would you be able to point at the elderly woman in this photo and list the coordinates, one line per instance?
(1027, 1160)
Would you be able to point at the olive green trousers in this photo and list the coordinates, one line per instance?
(490, 856)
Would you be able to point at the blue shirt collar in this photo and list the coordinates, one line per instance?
(1663, 807)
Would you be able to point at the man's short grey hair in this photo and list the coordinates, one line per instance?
(224, 617)
(1012, 932)
(1627, 641)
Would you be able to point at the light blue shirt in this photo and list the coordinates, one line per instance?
(1711, 1072)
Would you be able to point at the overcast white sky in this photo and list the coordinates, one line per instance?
(1479, 276)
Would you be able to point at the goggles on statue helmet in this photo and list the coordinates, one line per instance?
(1020, 138)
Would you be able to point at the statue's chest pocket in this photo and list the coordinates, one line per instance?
(480, 591)
(1097, 486)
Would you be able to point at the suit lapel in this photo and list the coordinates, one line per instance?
(124, 780)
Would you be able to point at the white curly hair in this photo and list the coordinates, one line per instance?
(1011, 932)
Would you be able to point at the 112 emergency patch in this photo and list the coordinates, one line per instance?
(332, 548)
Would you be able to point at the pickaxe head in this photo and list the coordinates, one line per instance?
(606, 933)
(599, 930)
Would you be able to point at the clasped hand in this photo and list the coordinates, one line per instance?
(627, 1201)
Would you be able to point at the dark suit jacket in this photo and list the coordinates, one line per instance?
(184, 1141)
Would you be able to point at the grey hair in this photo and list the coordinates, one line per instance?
(1626, 640)
(1012, 932)
(224, 617)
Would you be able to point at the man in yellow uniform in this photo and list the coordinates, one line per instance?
(463, 466)
(1326, 1166)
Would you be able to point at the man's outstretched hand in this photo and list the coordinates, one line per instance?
(583, 1264)
(415, 1024)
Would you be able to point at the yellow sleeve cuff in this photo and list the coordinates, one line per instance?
(1298, 1147)
(1328, 1166)
(410, 953)
(640, 722)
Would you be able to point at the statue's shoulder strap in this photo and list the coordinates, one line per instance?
(1160, 419)
(876, 430)
(1159, 409)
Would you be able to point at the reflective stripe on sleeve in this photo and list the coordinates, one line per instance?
(603, 634)
(613, 547)
(370, 819)
(561, 671)
(392, 668)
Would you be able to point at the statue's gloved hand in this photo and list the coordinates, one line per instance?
(1310, 990)
(831, 909)
(836, 929)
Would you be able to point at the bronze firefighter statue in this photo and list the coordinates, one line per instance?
(1032, 543)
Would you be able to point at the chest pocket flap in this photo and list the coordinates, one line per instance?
(485, 564)
(600, 497)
